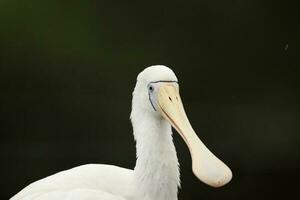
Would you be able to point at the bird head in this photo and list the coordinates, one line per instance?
(157, 94)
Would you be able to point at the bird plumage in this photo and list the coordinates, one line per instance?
(90, 181)
(155, 176)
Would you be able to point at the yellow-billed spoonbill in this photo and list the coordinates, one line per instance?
(156, 106)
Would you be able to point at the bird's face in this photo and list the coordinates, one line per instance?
(156, 89)
(159, 90)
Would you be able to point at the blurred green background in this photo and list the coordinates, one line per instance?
(68, 68)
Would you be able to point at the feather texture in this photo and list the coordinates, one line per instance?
(155, 176)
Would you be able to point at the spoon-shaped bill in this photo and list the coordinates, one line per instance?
(206, 166)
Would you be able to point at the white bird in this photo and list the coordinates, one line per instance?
(156, 106)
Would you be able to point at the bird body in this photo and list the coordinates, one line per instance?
(83, 182)
(156, 106)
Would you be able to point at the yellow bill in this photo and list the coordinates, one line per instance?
(206, 166)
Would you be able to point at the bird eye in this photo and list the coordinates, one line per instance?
(151, 88)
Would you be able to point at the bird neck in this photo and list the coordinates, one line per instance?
(157, 169)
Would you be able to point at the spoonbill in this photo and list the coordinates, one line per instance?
(156, 106)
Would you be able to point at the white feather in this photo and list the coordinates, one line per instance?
(88, 181)
(155, 176)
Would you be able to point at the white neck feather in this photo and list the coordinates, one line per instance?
(157, 169)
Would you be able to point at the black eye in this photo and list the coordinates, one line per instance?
(151, 88)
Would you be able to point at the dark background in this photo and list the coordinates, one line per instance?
(67, 70)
